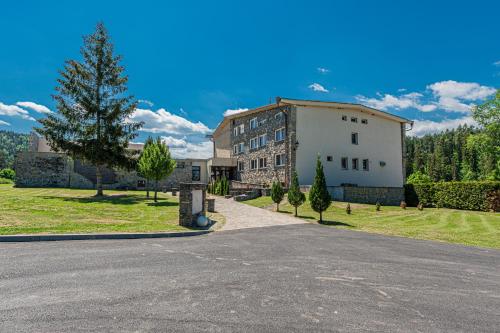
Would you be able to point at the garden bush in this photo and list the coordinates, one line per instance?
(7, 174)
(482, 195)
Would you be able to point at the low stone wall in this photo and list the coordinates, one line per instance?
(45, 169)
(384, 195)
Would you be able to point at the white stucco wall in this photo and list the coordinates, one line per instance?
(322, 130)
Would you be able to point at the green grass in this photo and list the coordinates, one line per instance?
(448, 225)
(5, 181)
(56, 210)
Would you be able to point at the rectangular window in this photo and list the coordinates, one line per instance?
(195, 173)
(354, 138)
(235, 131)
(329, 158)
(261, 122)
(241, 148)
(355, 164)
(262, 162)
(254, 143)
(343, 163)
(344, 118)
(279, 135)
(365, 165)
(180, 165)
(364, 121)
(241, 165)
(235, 149)
(253, 123)
(253, 164)
(280, 159)
(354, 120)
(262, 140)
(278, 116)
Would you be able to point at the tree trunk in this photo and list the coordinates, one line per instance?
(156, 191)
(147, 188)
(277, 207)
(99, 181)
(320, 217)
(295, 211)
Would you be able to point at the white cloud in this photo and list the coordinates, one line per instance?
(4, 123)
(323, 70)
(14, 111)
(145, 101)
(230, 112)
(452, 95)
(162, 121)
(172, 142)
(387, 101)
(181, 148)
(318, 87)
(497, 63)
(401, 89)
(422, 127)
(35, 107)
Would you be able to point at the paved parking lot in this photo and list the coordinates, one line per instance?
(291, 278)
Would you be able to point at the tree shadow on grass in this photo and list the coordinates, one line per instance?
(122, 199)
(336, 223)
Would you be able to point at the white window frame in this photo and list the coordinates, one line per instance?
(346, 159)
(355, 166)
(235, 131)
(241, 148)
(235, 149)
(282, 158)
(241, 166)
(367, 164)
(356, 135)
(262, 143)
(254, 163)
(279, 130)
(261, 122)
(254, 122)
(279, 116)
(242, 128)
(254, 143)
(265, 162)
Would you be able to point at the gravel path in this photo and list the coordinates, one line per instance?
(241, 216)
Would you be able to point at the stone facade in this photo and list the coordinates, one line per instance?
(268, 122)
(46, 169)
(188, 215)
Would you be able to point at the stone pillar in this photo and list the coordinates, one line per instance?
(191, 203)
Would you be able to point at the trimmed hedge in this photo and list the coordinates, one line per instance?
(458, 195)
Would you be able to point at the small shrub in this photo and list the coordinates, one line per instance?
(8, 174)
(378, 206)
(348, 209)
(5, 181)
(402, 205)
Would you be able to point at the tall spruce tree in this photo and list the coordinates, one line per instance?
(319, 197)
(295, 196)
(93, 108)
(277, 194)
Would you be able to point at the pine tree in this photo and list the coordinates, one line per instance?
(92, 122)
(277, 194)
(295, 196)
(156, 163)
(318, 196)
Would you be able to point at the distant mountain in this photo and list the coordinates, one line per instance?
(10, 144)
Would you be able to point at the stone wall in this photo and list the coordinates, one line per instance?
(35, 169)
(270, 124)
(385, 195)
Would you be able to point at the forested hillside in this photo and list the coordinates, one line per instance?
(10, 143)
(455, 154)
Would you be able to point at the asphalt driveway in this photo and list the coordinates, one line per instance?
(290, 278)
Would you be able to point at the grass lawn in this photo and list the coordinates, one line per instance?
(56, 210)
(449, 225)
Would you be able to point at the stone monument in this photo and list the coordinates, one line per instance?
(191, 203)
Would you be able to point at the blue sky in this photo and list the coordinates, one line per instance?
(191, 61)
